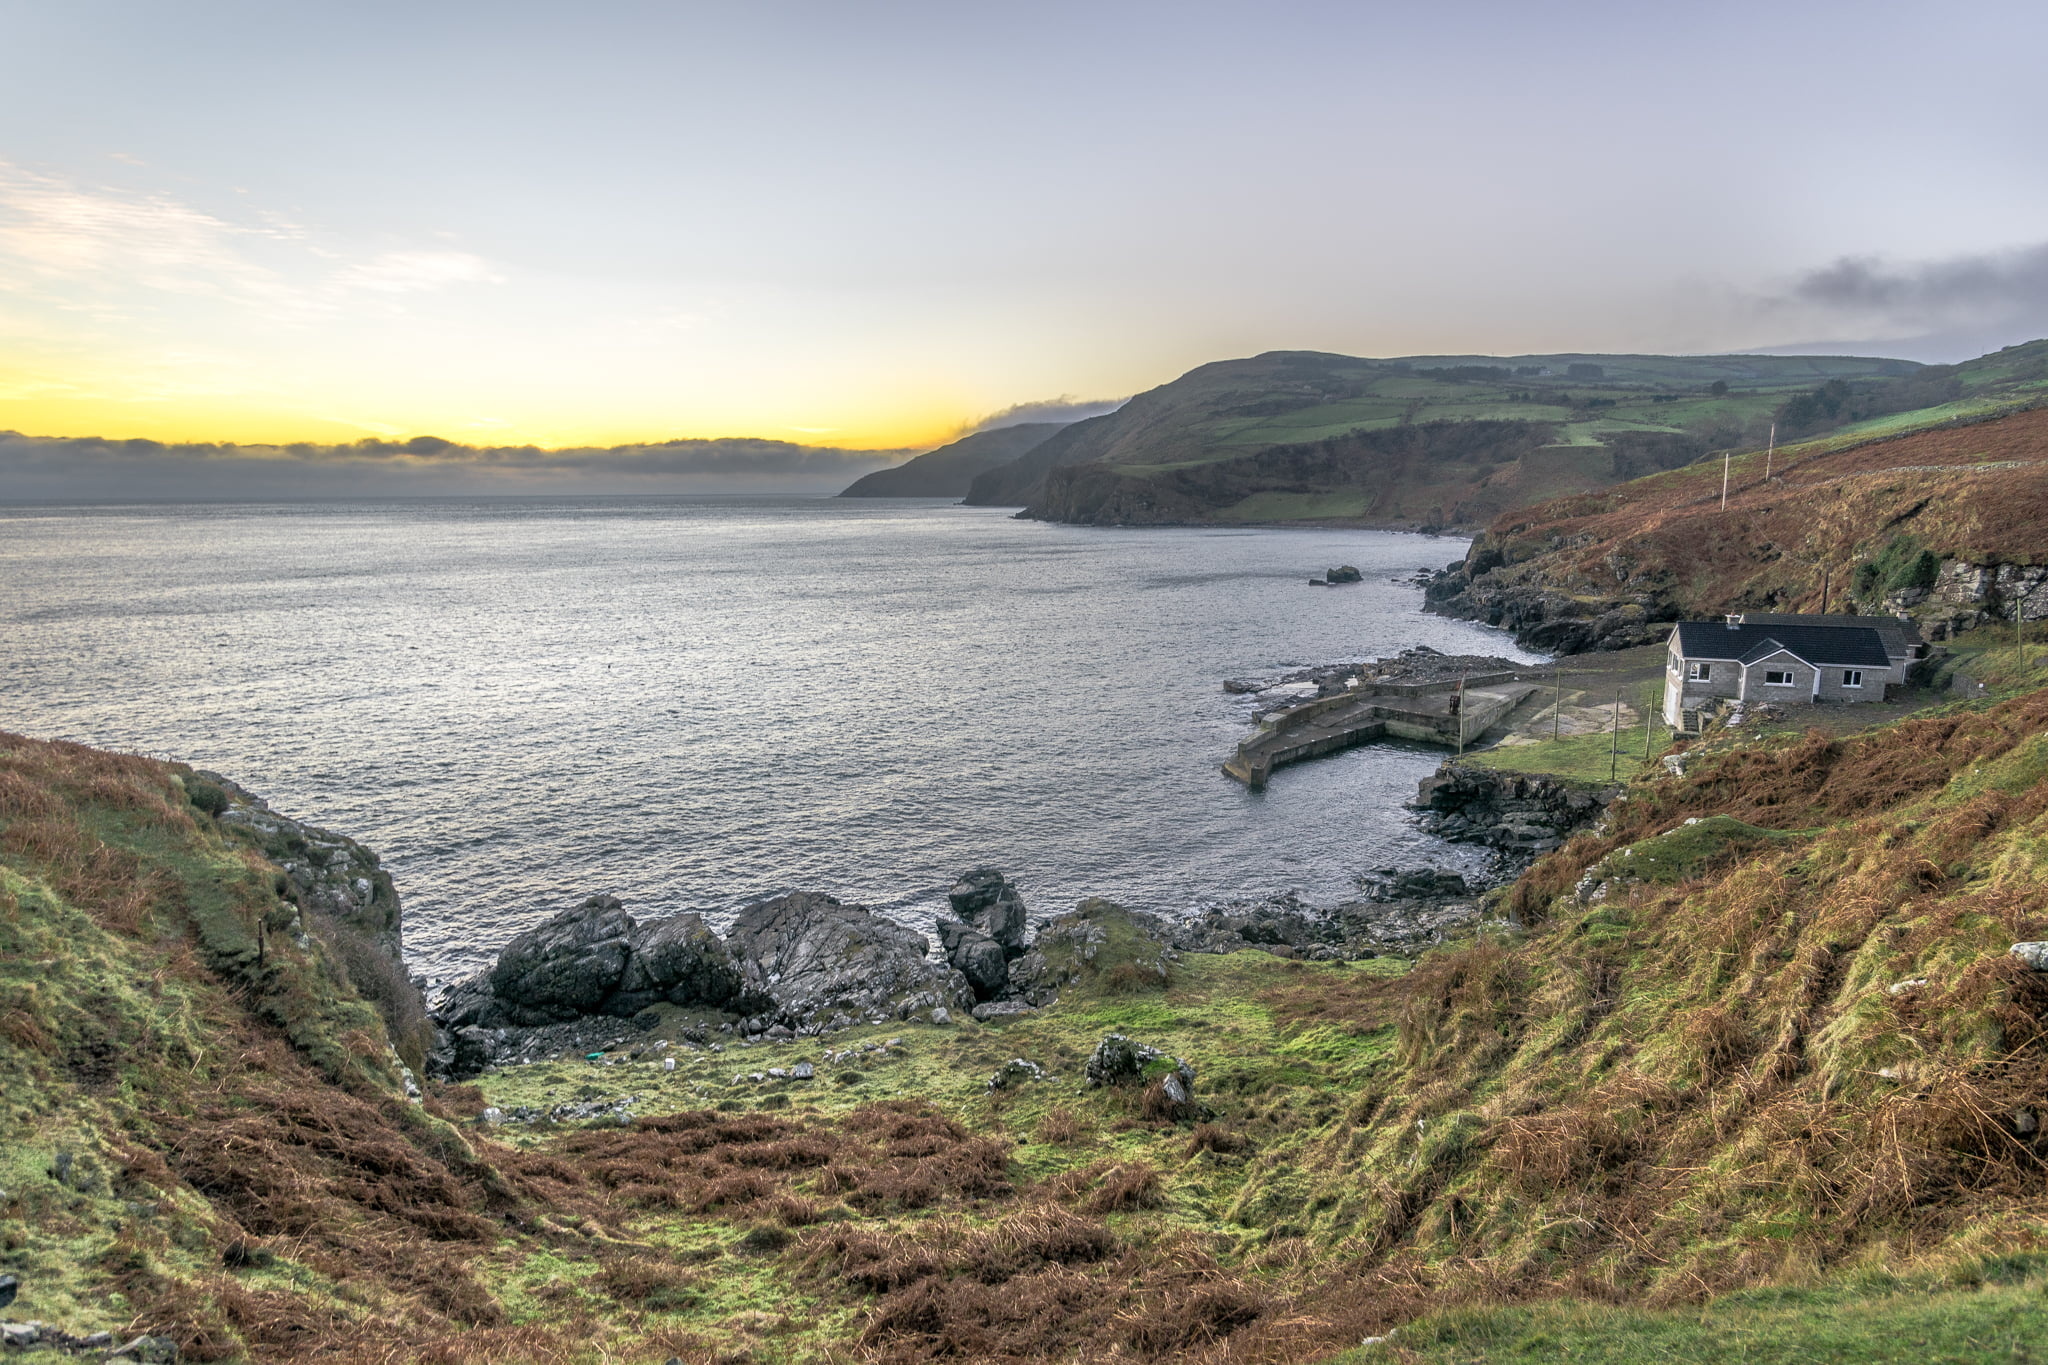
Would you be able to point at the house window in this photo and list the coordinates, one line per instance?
(1698, 672)
(1777, 677)
(1852, 677)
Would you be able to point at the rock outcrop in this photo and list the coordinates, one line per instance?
(1521, 814)
(1093, 941)
(811, 964)
(1543, 618)
(329, 874)
(678, 960)
(985, 899)
(988, 933)
(975, 956)
(1121, 1061)
(565, 967)
(801, 963)
(1400, 913)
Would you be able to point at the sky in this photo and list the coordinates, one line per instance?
(869, 227)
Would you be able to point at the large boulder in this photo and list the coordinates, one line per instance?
(566, 966)
(986, 899)
(812, 964)
(1118, 1060)
(975, 956)
(678, 960)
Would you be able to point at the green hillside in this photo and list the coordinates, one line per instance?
(1308, 436)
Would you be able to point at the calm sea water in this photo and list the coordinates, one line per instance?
(694, 704)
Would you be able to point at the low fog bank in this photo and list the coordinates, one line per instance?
(1065, 408)
(90, 469)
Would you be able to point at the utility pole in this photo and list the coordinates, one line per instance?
(1461, 712)
(1726, 456)
(1646, 734)
(1614, 744)
(1826, 575)
(1769, 451)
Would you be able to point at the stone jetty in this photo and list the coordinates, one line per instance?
(1419, 695)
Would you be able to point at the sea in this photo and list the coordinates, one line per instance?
(694, 704)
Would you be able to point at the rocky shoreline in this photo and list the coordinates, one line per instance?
(593, 976)
(806, 965)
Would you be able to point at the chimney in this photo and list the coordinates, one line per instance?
(1734, 620)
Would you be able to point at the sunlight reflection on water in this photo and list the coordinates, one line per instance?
(697, 703)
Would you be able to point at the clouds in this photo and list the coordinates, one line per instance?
(1969, 288)
(406, 272)
(1963, 304)
(1065, 408)
(91, 469)
(113, 251)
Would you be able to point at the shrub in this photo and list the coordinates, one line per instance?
(1060, 1128)
(205, 796)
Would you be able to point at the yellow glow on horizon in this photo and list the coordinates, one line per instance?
(173, 419)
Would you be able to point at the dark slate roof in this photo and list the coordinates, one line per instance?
(1899, 636)
(1853, 646)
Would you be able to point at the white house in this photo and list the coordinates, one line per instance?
(1780, 658)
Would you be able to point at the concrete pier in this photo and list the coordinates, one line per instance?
(1429, 713)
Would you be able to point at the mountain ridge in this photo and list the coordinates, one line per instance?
(1201, 448)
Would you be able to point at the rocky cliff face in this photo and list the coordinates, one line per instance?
(1430, 475)
(950, 470)
(1545, 618)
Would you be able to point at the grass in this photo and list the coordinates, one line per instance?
(1597, 758)
(1919, 1320)
(2004, 660)
(1588, 759)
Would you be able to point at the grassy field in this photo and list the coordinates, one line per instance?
(1993, 1310)
(1588, 746)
